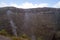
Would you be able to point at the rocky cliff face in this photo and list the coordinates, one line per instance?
(39, 22)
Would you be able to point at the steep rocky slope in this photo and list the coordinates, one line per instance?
(36, 22)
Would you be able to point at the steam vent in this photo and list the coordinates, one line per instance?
(34, 22)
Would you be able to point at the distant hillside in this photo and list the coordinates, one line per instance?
(35, 21)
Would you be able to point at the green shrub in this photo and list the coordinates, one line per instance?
(4, 32)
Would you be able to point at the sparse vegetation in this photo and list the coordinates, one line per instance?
(4, 32)
(23, 37)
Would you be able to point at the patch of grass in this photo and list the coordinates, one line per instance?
(39, 38)
(4, 32)
(19, 38)
(15, 38)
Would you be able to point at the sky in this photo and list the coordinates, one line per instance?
(30, 3)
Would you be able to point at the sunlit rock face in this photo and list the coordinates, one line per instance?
(35, 22)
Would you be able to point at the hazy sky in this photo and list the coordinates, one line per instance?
(30, 3)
